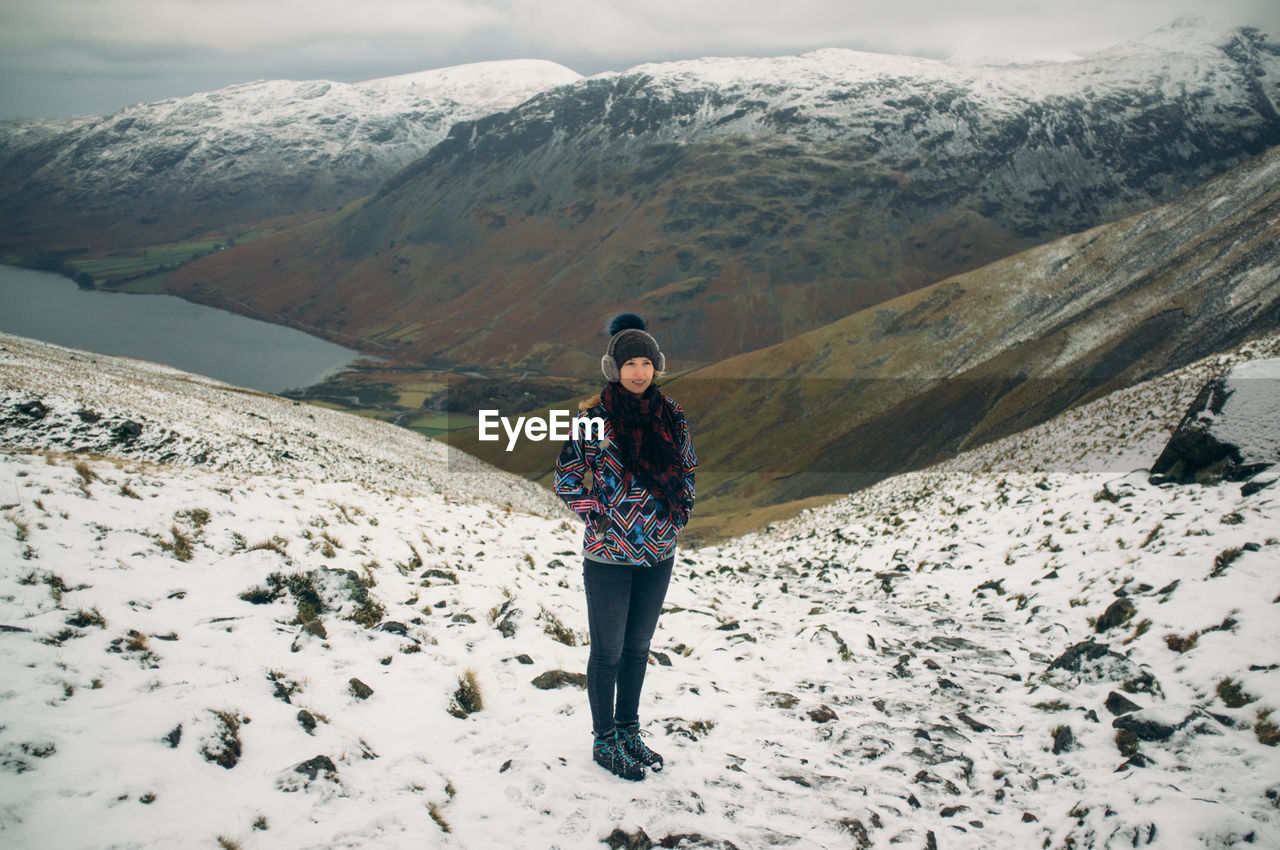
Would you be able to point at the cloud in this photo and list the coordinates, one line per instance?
(56, 50)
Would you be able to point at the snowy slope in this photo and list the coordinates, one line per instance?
(876, 673)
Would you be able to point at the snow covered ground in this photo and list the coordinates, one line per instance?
(249, 624)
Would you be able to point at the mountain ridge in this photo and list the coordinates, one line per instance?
(740, 216)
(236, 155)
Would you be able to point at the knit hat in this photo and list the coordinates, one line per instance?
(627, 339)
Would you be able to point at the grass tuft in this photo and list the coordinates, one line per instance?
(558, 630)
(84, 619)
(198, 518)
(368, 613)
(1182, 644)
(22, 530)
(467, 699)
(181, 546)
(1232, 695)
(1267, 731)
(275, 544)
(434, 811)
(1141, 629)
(225, 748)
(1225, 558)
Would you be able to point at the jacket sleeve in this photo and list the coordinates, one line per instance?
(570, 480)
(689, 462)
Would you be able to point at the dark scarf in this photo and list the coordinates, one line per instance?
(645, 431)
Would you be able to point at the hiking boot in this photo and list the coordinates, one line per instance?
(609, 754)
(629, 738)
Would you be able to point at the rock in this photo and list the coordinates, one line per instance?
(1148, 728)
(127, 432)
(1259, 483)
(953, 643)
(822, 714)
(975, 725)
(559, 679)
(1229, 433)
(360, 690)
(1138, 760)
(507, 625)
(781, 699)
(620, 840)
(855, 827)
(33, 410)
(1119, 704)
(1126, 742)
(695, 840)
(315, 766)
(1075, 656)
(1091, 662)
(1064, 740)
(1117, 614)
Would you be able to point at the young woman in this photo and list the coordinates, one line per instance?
(638, 501)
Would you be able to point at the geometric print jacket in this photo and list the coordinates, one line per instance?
(624, 522)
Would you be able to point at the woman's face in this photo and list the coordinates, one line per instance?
(636, 374)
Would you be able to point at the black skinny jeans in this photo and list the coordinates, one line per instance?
(623, 604)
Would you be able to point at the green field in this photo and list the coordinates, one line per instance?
(134, 264)
(442, 423)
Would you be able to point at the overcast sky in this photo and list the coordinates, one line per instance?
(65, 57)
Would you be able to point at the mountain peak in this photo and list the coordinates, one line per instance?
(495, 81)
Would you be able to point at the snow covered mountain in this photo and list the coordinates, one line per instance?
(236, 155)
(273, 636)
(740, 202)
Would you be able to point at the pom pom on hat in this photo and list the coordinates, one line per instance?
(626, 321)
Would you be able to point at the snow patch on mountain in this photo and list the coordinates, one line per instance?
(486, 86)
(276, 146)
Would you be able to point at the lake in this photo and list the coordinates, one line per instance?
(165, 329)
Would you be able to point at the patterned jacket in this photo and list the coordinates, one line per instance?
(624, 522)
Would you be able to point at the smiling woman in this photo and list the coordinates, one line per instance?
(165, 329)
(641, 471)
